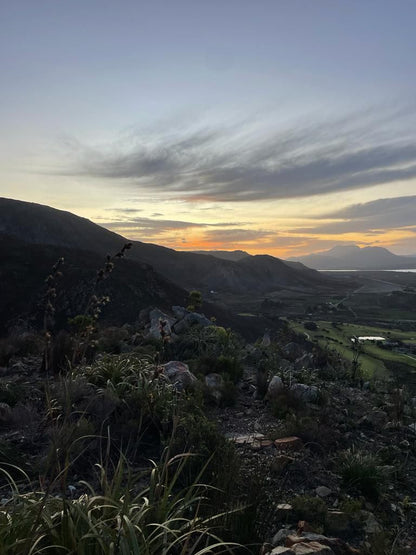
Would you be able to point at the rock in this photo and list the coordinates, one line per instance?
(247, 439)
(5, 413)
(291, 443)
(311, 548)
(323, 491)
(259, 444)
(156, 317)
(307, 393)
(275, 388)
(376, 419)
(370, 523)
(215, 385)
(293, 351)
(306, 361)
(280, 463)
(281, 535)
(281, 550)
(336, 545)
(191, 319)
(179, 311)
(178, 374)
(337, 522)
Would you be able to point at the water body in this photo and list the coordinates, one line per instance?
(413, 270)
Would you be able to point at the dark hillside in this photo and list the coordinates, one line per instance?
(37, 224)
(132, 286)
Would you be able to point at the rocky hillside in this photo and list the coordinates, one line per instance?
(301, 455)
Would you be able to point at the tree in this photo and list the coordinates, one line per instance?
(195, 300)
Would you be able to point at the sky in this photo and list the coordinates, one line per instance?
(278, 126)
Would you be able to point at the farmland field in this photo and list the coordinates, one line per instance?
(377, 361)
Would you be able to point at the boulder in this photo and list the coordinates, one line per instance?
(281, 550)
(307, 393)
(179, 375)
(275, 388)
(190, 319)
(337, 546)
(179, 311)
(323, 491)
(156, 317)
(370, 524)
(280, 536)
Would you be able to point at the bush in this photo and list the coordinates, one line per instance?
(215, 455)
(126, 513)
(286, 403)
(311, 509)
(12, 393)
(146, 399)
(228, 366)
(361, 473)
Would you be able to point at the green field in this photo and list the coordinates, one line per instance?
(372, 357)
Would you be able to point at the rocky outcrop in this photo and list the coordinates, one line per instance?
(307, 393)
(179, 375)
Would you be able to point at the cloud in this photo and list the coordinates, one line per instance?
(236, 235)
(124, 210)
(375, 216)
(245, 164)
(149, 227)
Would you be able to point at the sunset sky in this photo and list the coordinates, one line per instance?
(274, 126)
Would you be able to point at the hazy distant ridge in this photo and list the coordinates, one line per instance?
(353, 257)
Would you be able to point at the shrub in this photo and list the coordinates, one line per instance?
(311, 431)
(215, 455)
(286, 403)
(311, 509)
(228, 366)
(146, 399)
(12, 393)
(122, 515)
(361, 473)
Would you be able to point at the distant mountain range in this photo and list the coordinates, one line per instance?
(352, 257)
(33, 236)
(225, 255)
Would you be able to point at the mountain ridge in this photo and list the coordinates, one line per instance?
(39, 224)
(353, 257)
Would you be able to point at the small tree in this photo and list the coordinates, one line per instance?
(195, 300)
